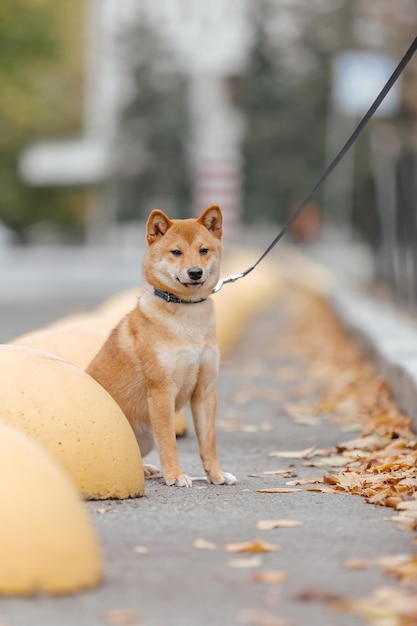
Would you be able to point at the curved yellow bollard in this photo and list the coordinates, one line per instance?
(115, 307)
(47, 542)
(236, 304)
(103, 318)
(180, 424)
(76, 345)
(74, 418)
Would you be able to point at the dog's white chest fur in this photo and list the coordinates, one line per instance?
(181, 345)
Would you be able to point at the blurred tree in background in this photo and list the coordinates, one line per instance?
(40, 74)
(284, 95)
(151, 146)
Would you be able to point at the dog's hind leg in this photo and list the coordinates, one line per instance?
(146, 442)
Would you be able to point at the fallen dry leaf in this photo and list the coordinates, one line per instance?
(402, 566)
(278, 490)
(251, 546)
(300, 411)
(320, 489)
(359, 564)
(270, 577)
(365, 442)
(325, 451)
(125, 617)
(104, 509)
(328, 462)
(203, 544)
(306, 420)
(245, 563)
(269, 524)
(234, 425)
(254, 428)
(304, 481)
(409, 505)
(317, 595)
(140, 550)
(407, 525)
(294, 454)
(280, 472)
(386, 606)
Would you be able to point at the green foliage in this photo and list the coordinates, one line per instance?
(40, 96)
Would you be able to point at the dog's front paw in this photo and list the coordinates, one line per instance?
(223, 478)
(183, 480)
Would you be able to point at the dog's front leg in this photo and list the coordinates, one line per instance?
(203, 408)
(162, 414)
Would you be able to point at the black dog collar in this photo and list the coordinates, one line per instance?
(170, 297)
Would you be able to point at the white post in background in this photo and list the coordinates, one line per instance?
(215, 150)
(105, 86)
(211, 43)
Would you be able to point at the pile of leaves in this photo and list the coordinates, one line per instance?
(380, 464)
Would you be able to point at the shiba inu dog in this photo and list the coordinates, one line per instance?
(164, 353)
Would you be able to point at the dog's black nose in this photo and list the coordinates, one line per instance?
(195, 273)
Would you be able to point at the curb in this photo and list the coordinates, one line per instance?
(386, 335)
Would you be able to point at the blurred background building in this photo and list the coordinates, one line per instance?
(112, 108)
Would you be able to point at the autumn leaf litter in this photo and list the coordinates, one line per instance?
(378, 464)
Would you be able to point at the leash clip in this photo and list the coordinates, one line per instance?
(230, 279)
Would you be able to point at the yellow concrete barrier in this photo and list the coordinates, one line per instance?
(74, 418)
(180, 423)
(238, 302)
(104, 317)
(47, 542)
(114, 308)
(76, 345)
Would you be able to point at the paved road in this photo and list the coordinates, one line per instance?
(177, 584)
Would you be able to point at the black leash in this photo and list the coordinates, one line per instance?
(383, 93)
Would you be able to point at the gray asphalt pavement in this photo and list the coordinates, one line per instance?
(179, 584)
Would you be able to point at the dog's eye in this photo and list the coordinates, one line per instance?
(176, 252)
(203, 251)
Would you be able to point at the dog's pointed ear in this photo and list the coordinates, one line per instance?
(157, 225)
(212, 219)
